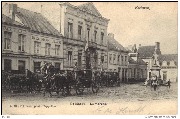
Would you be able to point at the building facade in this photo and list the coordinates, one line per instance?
(117, 58)
(85, 32)
(162, 65)
(29, 40)
(137, 68)
(169, 67)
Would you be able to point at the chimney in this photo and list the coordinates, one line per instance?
(111, 35)
(13, 10)
(157, 48)
(157, 45)
(134, 48)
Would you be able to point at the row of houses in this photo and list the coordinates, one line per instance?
(29, 41)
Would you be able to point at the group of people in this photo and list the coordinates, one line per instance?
(154, 82)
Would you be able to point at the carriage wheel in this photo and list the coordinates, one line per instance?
(65, 92)
(79, 89)
(103, 83)
(95, 88)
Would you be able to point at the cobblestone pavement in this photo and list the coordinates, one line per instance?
(126, 99)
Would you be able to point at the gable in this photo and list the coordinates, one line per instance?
(90, 8)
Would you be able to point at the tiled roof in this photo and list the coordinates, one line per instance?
(7, 20)
(90, 8)
(130, 51)
(36, 22)
(114, 45)
(168, 57)
(146, 51)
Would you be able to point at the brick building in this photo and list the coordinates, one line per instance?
(29, 40)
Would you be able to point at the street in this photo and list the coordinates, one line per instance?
(126, 99)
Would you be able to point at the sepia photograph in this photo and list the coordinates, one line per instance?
(89, 58)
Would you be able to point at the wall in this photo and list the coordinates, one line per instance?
(171, 74)
(68, 13)
(14, 54)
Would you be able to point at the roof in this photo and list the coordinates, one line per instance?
(168, 57)
(146, 51)
(8, 20)
(140, 61)
(36, 22)
(132, 61)
(90, 8)
(130, 51)
(114, 45)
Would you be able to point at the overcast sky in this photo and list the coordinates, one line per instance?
(129, 25)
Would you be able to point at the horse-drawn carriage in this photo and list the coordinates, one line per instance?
(110, 79)
(14, 79)
(86, 79)
(17, 80)
(66, 80)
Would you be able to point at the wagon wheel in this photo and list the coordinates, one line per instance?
(79, 89)
(95, 87)
(38, 87)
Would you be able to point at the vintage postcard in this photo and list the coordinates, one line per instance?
(89, 58)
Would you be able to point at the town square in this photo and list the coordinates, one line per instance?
(71, 58)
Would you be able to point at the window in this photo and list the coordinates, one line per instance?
(21, 66)
(47, 49)
(110, 58)
(7, 40)
(79, 60)
(118, 59)
(37, 46)
(57, 49)
(57, 65)
(95, 36)
(122, 60)
(21, 42)
(164, 75)
(79, 32)
(125, 59)
(37, 66)
(134, 73)
(70, 58)
(7, 64)
(70, 30)
(88, 33)
(102, 58)
(114, 58)
(102, 37)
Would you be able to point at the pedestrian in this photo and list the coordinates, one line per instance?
(169, 83)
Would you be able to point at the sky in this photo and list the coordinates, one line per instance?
(129, 25)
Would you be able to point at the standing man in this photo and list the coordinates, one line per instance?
(169, 83)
